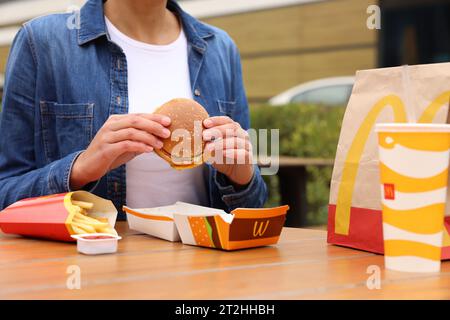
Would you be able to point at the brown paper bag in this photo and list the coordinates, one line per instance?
(379, 95)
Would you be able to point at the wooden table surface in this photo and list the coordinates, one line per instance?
(301, 266)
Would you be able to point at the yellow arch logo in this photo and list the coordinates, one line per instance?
(354, 154)
(259, 231)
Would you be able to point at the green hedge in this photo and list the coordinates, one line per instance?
(308, 131)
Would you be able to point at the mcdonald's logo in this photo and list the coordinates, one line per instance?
(354, 154)
(259, 231)
(389, 191)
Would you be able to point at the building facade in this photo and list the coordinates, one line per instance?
(287, 42)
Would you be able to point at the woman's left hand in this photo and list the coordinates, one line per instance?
(229, 149)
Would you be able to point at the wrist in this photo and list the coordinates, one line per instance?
(242, 181)
(78, 175)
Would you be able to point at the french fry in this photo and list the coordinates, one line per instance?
(80, 210)
(83, 223)
(91, 225)
(96, 224)
(80, 216)
(78, 230)
(83, 204)
(86, 227)
(108, 230)
(91, 221)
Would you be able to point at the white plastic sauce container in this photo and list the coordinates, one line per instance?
(96, 243)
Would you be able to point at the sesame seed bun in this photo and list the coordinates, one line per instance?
(184, 148)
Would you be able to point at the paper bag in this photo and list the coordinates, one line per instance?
(379, 95)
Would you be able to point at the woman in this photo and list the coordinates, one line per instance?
(78, 102)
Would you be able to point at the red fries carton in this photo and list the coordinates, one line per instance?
(58, 216)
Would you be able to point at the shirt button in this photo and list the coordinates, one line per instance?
(197, 92)
(118, 64)
(119, 100)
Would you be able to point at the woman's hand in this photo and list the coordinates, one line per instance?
(120, 139)
(230, 149)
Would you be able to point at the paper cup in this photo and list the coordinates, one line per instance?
(414, 161)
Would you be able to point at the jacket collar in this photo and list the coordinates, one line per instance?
(92, 24)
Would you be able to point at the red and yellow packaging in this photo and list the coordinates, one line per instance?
(242, 228)
(209, 227)
(52, 217)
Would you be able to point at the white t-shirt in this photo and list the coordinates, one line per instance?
(157, 74)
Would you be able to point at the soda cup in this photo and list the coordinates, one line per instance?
(414, 160)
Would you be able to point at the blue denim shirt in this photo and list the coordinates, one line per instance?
(62, 84)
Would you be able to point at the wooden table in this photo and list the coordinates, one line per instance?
(292, 181)
(301, 266)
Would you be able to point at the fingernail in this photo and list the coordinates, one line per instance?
(166, 133)
(148, 149)
(207, 123)
(159, 144)
(166, 120)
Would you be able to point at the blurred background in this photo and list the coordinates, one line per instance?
(299, 59)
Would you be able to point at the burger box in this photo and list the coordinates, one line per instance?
(207, 227)
(50, 217)
(157, 222)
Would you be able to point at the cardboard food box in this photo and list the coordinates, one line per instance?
(51, 217)
(157, 222)
(207, 227)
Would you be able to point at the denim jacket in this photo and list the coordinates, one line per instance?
(64, 78)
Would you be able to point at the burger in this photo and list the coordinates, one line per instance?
(183, 149)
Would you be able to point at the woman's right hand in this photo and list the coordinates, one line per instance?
(120, 139)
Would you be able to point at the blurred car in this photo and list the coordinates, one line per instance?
(331, 92)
